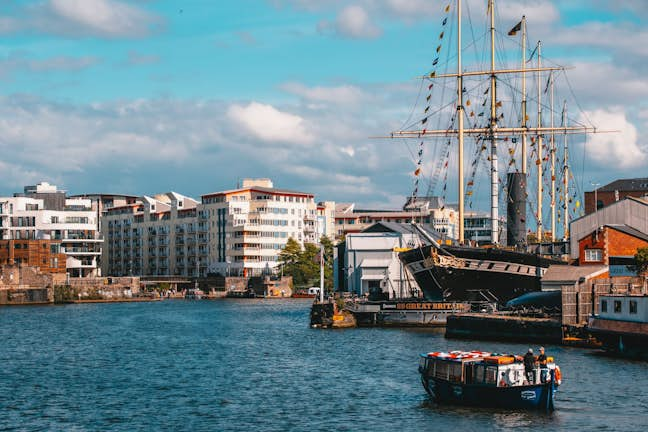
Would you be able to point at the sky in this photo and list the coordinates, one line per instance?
(147, 96)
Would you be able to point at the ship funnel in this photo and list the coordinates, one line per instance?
(516, 210)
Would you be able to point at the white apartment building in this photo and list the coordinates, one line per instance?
(43, 212)
(249, 226)
(234, 232)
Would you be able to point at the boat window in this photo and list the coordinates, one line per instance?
(633, 306)
(479, 374)
(603, 305)
(617, 306)
(441, 370)
(455, 372)
(491, 375)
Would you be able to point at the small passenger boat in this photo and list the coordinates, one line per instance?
(480, 378)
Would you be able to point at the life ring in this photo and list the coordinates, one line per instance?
(558, 375)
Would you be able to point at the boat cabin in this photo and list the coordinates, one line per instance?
(633, 308)
(479, 368)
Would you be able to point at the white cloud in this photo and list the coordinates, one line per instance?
(352, 22)
(618, 150)
(269, 124)
(344, 94)
(98, 18)
(21, 62)
(536, 11)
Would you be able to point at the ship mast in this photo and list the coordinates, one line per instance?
(524, 98)
(493, 126)
(539, 152)
(492, 130)
(565, 177)
(460, 114)
(553, 163)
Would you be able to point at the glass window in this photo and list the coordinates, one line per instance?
(633, 306)
(593, 255)
(603, 305)
(617, 306)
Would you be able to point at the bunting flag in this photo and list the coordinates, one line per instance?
(417, 172)
(436, 60)
(468, 102)
(432, 74)
(430, 86)
(425, 119)
(447, 9)
(438, 49)
(515, 29)
(444, 22)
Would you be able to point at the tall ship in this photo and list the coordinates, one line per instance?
(489, 114)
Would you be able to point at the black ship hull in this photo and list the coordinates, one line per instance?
(456, 273)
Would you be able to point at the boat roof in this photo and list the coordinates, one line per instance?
(458, 355)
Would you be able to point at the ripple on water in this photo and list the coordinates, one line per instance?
(255, 365)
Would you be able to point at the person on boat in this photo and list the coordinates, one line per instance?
(542, 361)
(529, 366)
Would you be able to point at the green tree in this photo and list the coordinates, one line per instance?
(641, 261)
(303, 264)
(289, 258)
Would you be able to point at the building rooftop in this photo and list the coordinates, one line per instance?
(572, 274)
(270, 190)
(402, 228)
(635, 184)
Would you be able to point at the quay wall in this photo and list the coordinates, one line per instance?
(500, 327)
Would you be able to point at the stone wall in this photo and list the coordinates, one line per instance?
(21, 284)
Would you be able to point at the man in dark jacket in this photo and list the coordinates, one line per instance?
(529, 366)
(542, 361)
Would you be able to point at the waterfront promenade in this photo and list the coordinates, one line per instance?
(256, 365)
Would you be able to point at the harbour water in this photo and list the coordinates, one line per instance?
(256, 365)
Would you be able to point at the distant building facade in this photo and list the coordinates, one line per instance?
(367, 263)
(70, 225)
(234, 232)
(428, 211)
(615, 191)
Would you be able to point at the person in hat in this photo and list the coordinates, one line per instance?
(529, 366)
(542, 361)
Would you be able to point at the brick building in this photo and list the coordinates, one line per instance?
(46, 255)
(616, 191)
(612, 245)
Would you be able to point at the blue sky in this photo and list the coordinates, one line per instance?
(145, 96)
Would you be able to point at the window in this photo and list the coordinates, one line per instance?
(617, 306)
(599, 204)
(603, 305)
(593, 255)
(633, 306)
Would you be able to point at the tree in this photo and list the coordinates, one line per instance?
(641, 261)
(303, 264)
